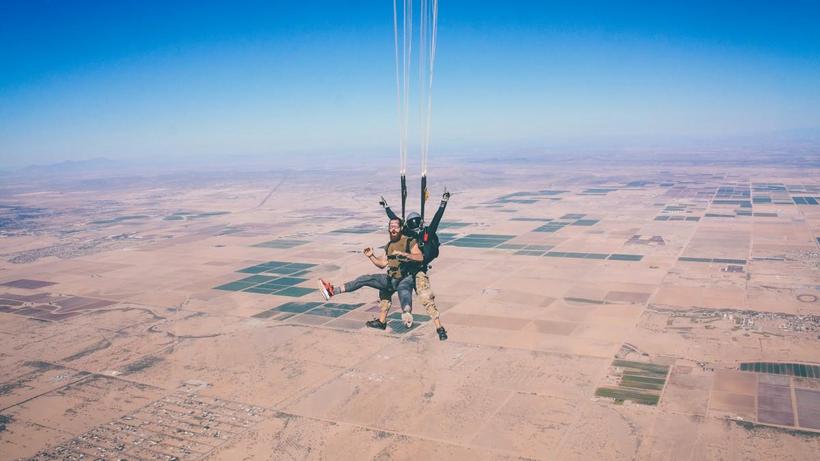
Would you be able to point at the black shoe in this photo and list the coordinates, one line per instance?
(442, 333)
(376, 323)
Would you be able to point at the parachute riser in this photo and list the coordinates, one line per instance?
(423, 196)
(403, 196)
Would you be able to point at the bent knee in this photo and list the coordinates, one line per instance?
(426, 294)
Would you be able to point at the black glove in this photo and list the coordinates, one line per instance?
(383, 203)
(445, 196)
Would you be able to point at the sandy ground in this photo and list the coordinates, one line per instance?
(144, 320)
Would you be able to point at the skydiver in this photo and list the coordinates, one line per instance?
(402, 259)
(429, 244)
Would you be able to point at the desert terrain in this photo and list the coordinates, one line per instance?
(594, 311)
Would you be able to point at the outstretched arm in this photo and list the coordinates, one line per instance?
(390, 214)
(439, 213)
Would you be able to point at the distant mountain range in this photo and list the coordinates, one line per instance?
(73, 166)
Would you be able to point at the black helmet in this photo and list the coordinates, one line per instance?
(413, 222)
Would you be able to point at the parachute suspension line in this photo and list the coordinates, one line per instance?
(402, 152)
(431, 66)
(426, 68)
(400, 113)
(422, 87)
(421, 92)
(407, 60)
(428, 30)
(403, 85)
(408, 56)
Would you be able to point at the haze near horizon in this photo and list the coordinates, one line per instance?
(144, 80)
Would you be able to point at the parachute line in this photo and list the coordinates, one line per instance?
(402, 155)
(408, 54)
(426, 55)
(403, 62)
(427, 59)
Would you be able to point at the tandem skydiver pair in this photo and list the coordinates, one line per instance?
(408, 253)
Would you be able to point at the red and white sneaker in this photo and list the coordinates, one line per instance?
(326, 288)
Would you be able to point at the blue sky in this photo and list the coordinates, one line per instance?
(146, 79)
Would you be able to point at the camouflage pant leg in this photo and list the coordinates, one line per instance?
(426, 295)
(385, 301)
